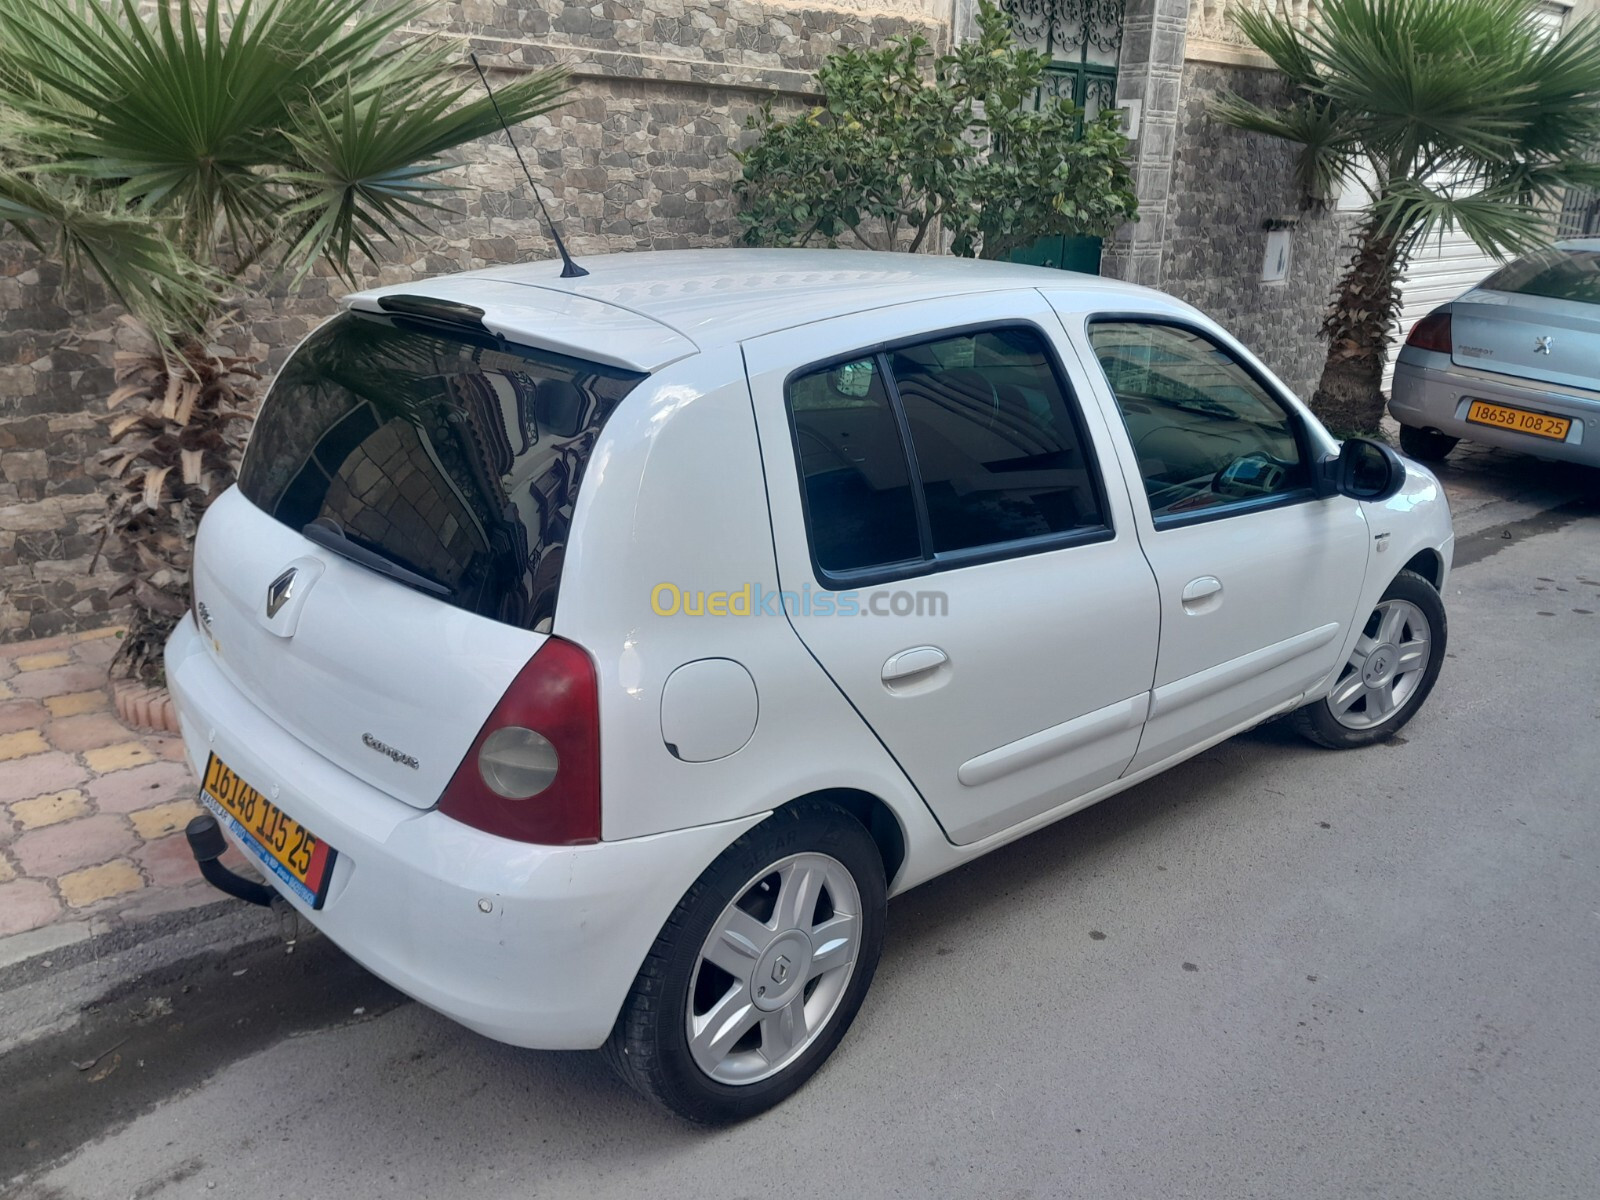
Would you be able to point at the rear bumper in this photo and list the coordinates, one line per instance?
(549, 963)
(1429, 392)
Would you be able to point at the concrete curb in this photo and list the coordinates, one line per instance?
(49, 977)
(24, 956)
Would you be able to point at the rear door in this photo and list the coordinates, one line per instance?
(954, 552)
(1259, 577)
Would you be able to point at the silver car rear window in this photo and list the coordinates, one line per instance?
(450, 455)
(1556, 274)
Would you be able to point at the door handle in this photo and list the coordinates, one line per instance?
(915, 661)
(1203, 594)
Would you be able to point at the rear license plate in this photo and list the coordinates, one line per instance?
(1481, 412)
(285, 847)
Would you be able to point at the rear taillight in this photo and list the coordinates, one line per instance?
(533, 772)
(1432, 332)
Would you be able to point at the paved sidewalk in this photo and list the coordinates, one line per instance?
(91, 812)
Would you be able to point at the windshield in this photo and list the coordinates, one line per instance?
(451, 456)
(1558, 274)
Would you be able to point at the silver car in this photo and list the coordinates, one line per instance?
(1515, 362)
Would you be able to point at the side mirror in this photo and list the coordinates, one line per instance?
(1363, 470)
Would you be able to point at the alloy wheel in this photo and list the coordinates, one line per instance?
(773, 969)
(1386, 667)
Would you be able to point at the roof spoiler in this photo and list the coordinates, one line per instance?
(429, 308)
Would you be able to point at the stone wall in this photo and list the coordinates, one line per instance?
(640, 158)
(1226, 184)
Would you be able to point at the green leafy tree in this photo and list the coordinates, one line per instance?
(1453, 114)
(170, 153)
(898, 150)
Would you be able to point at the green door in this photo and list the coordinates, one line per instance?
(1084, 41)
(1064, 253)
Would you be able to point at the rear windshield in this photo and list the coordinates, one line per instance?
(1557, 274)
(454, 457)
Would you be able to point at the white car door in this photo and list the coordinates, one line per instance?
(955, 556)
(1259, 576)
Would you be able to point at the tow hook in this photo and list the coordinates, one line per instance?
(207, 845)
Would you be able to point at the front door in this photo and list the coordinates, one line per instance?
(957, 561)
(1259, 576)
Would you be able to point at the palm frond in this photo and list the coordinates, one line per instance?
(1497, 218)
(134, 258)
(1327, 140)
(365, 170)
(1280, 41)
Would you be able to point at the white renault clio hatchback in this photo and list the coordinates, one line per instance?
(591, 658)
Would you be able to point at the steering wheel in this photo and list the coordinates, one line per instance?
(1257, 474)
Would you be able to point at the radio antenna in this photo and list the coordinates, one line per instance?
(569, 269)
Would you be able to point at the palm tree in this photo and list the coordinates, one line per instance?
(171, 152)
(1452, 114)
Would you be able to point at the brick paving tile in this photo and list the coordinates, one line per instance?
(21, 714)
(8, 667)
(21, 744)
(26, 904)
(43, 662)
(50, 809)
(38, 774)
(128, 791)
(77, 677)
(106, 759)
(5, 691)
(82, 888)
(168, 862)
(97, 652)
(7, 871)
(85, 731)
(172, 897)
(73, 703)
(61, 641)
(48, 852)
(153, 823)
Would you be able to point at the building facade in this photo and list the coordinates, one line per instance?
(642, 158)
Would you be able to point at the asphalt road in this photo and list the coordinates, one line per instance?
(1275, 971)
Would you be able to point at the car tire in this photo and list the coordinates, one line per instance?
(1378, 691)
(1426, 445)
(759, 971)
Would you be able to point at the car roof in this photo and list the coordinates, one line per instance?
(643, 310)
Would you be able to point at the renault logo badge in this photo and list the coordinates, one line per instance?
(279, 591)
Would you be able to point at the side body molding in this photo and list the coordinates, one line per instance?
(1058, 739)
(1203, 684)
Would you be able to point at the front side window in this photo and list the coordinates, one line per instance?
(950, 446)
(1206, 434)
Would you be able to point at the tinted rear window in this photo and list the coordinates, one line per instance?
(455, 457)
(1557, 274)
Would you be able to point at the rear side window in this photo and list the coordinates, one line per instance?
(1557, 274)
(857, 481)
(999, 456)
(452, 456)
(939, 451)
